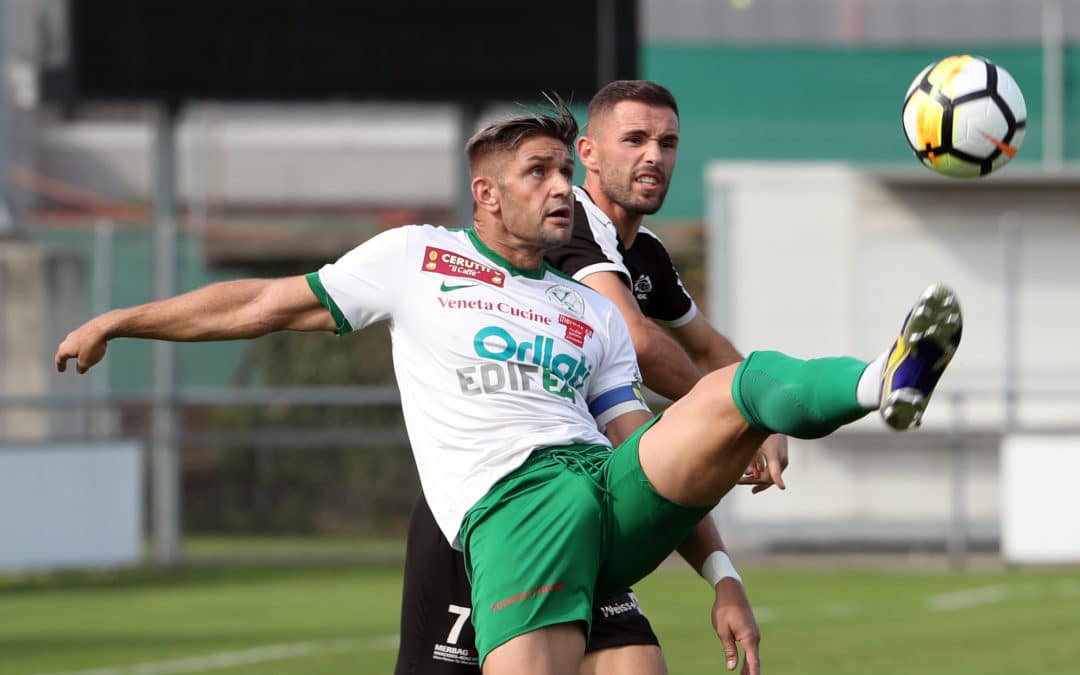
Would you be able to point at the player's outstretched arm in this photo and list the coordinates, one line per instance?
(734, 623)
(230, 310)
(732, 617)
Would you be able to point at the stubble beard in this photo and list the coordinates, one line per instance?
(620, 190)
(532, 230)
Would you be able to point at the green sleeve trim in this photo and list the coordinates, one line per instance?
(341, 324)
(490, 254)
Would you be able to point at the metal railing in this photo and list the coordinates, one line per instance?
(969, 414)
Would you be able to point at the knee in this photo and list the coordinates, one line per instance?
(714, 390)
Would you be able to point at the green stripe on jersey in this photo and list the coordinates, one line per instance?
(341, 324)
(501, 261)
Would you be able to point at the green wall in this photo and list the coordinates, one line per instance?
(820, 103)
(131, 283)
(812, 103)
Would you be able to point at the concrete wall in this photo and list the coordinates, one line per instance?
(23, 327)
(70, 505)
(820, 259)
(42, 297)
(295, 155)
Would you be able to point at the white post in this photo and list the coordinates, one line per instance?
(163, 443)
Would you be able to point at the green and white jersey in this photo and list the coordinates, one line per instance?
(492, 361)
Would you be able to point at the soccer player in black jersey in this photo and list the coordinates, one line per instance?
(628, 151)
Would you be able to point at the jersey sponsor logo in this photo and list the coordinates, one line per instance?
(501, 307)
(446, 288)
(624, 604)
(527, 595)
(567, 298)
(521, 366)
(441, 261)
(576, 331)
(642, 287)
(459, 655)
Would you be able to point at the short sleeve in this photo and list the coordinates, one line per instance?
(364, 285)
(588, 250)
(668, 300)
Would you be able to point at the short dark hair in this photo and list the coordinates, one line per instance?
(643, 91)
(506, 134)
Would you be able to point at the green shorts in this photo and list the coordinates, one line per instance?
(571, 524)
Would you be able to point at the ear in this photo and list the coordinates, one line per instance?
(485, 193)
(586, 152)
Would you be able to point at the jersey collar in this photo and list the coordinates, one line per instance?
(491, 255)
(595, 212)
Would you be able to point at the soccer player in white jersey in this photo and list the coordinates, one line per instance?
(519, 391)
(629, 152)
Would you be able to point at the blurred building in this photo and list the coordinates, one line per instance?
(777, 79)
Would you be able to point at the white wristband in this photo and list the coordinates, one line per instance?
(718, 566)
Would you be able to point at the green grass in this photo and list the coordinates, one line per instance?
(812, 622)
(883, 623)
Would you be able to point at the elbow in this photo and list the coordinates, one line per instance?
(651, 351)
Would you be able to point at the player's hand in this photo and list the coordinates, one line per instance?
(86, 344)
(767, 467)
(735, 623)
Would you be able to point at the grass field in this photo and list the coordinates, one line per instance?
(344, 620)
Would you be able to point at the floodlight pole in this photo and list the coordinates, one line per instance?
(7, 219)
(163, 436)
(1012, 244)
(957, 543)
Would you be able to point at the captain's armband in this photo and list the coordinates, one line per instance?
(616, 402)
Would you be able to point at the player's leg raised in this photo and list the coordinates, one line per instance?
(696, 451)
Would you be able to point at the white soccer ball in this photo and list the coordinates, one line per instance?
(964, 116)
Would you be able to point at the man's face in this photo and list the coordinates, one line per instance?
(535, 185)
(635, 146)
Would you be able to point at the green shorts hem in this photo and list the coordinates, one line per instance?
(571, 524)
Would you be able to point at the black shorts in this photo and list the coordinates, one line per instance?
(437, 637)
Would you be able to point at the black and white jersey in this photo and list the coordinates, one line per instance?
(645, 267)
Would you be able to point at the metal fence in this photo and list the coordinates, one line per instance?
(268, 462)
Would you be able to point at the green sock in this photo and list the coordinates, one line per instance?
(804, 399)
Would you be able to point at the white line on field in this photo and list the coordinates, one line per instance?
(942, 602)
(971, 597)
(239, 657)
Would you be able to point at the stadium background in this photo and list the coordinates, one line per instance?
(295, 480)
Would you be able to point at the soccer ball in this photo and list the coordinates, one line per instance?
(964, 116)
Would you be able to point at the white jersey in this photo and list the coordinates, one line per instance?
(492, 361)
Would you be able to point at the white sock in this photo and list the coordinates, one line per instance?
(868, 393)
